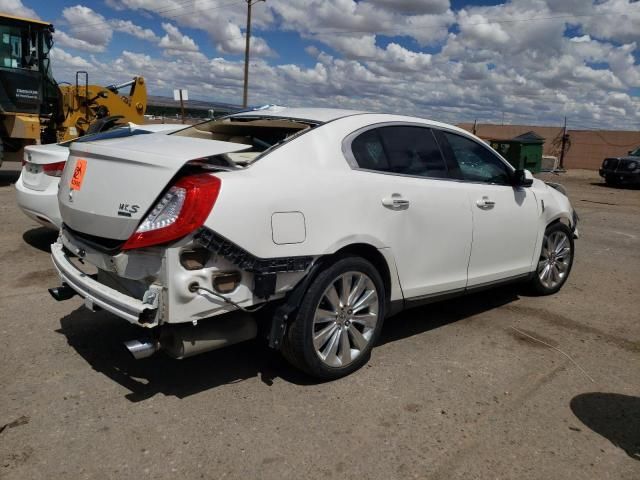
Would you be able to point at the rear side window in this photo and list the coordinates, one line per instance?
(477, 163)
(405, 150)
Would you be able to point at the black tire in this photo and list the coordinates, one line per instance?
(298, 346)
(537, 285)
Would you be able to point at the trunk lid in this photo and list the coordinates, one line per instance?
(107, 187)
(36, 157)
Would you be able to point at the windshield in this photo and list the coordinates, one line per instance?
(18, 47)
(635, 153)
(258, 133)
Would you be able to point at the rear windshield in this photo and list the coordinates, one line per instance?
(259, 134)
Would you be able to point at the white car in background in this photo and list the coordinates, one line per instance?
(37, 186)
(328, 220)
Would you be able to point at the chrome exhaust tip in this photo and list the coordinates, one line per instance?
(63, 292)
(142, 348)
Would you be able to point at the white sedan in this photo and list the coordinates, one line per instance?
(37, 186)
(329, 221)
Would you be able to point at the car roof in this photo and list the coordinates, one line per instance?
(323, 115)
(319, 115)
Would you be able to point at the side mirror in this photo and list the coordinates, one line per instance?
(522, 178)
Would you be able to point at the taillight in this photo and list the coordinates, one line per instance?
(181, 210)
(53, 169)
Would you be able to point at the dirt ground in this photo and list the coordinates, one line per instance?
(451, 392)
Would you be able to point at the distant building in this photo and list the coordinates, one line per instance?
(587, 147)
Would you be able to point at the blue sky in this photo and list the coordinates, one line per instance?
(536, 60)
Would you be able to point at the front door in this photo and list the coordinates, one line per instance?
(505, 218)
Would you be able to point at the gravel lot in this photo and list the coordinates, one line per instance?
(452, 391)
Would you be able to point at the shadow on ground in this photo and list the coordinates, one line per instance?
(8, 177)
(98, 338)
(620, 186)
(40, 238)
(614, 416)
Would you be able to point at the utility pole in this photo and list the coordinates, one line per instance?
(181, 106)
(475, 126)
(564, 143)
(181, 95)
(245, 92)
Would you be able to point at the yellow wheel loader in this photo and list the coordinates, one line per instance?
(34, 108)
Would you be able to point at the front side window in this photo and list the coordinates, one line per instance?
(477, 163)
(405, 150)
(10, 47)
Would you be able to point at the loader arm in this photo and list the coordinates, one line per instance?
(84, 105)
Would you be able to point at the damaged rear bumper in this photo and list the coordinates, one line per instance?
(140, 312)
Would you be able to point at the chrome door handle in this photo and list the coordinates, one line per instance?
(485, 204)
(396, 202)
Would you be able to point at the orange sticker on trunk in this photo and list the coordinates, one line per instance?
(78, 174)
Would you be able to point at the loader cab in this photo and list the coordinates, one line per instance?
(29, 96)
(26, 82)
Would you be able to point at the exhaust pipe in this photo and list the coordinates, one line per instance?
(142, 348)
(63, 292)
(182, 341)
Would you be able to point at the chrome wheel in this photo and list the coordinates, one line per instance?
(345, 319)
(555, 259)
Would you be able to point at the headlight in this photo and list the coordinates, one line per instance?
(632, 165)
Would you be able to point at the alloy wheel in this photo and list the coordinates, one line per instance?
(555, 259)
(345, 319)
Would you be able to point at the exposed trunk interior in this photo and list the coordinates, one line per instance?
(260, 134)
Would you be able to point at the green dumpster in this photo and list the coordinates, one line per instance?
(523, 151)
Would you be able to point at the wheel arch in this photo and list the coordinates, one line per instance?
(377, 259)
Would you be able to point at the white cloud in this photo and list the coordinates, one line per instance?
(128, 27)
(16, 7)
(414, 7)
(222, 22)
(87, 25)
(66, 40)
(92, 32)
(513, 57)
(176, 41)
(64, 60)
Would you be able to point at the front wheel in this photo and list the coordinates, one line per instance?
(611, 180)
(556, 260)
(339, 320)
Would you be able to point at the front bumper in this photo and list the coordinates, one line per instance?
(139, 312)
(626, 177)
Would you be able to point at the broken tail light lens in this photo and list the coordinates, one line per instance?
(180, 211)
(53, 169)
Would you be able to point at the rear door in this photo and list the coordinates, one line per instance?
(505, 218)
(423, 216)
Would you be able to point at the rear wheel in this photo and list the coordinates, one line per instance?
(339, 320)
(556, 260)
